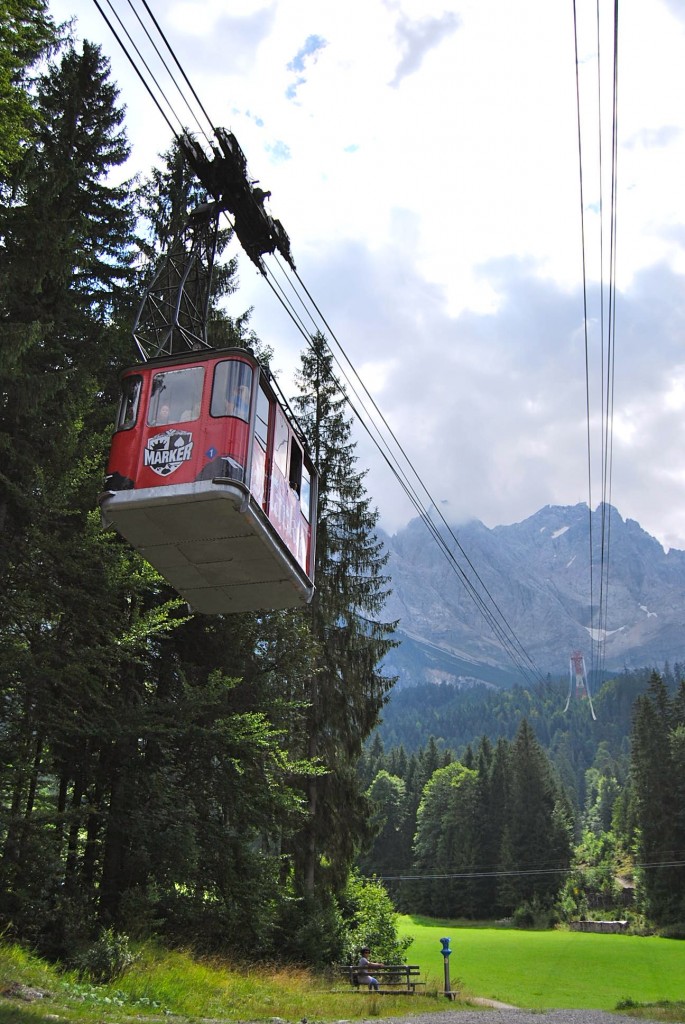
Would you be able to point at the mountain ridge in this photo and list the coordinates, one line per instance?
(537, 575)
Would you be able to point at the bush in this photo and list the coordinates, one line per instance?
(320, 929)
(311, 930)
(371, 920)
(535, 914)
(673, 931)
(107, 959)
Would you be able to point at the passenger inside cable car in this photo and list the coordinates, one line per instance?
(176, 396)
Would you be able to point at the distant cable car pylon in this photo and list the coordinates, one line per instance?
(578, 682)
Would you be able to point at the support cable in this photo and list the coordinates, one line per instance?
(611, 347)
(164, 64)
(585, 327)
(136, 68)
(607, 341)
(489, 608)
(178, 63)
(416, 474)
(492, 612)
(507, 873)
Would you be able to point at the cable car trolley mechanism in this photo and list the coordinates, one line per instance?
(209, 476)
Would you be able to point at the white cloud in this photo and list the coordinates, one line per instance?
(424, 161)
(417, 38)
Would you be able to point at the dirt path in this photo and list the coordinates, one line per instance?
(500, 1013)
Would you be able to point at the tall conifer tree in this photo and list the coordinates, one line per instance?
(447, 827)
(346, 688)
(26, 33)
(65, 233)
(536, 837)
(657, 756)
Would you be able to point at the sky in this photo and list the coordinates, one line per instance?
(424, 160)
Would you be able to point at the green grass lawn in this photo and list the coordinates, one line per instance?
(550, 969)
(535, 970)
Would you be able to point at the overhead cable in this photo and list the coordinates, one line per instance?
(477, 590)
(599, 565)
(137, 70)
(506, 873)
(467, 573)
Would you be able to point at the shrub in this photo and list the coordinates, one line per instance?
(311, 930)
(673, 931)
(535, 914)
(371, 920)
(107, 959)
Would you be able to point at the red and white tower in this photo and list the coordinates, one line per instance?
(578, 681)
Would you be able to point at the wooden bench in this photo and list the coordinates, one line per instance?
(396, 979)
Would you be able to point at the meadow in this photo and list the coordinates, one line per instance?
(549, 969)
(534, 970)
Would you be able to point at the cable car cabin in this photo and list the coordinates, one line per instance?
(210, 481)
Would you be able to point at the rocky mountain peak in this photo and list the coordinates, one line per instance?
(537, 572)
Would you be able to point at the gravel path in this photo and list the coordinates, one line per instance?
(501, 1014)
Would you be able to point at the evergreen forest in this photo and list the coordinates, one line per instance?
(224, 782)
(161, 773)
(497, 804)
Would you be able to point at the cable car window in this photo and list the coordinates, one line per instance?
(176, 396)
(295, 471)
(262, 419)
(281, 442)
(305, 493)
(232, 389)
(130, 399)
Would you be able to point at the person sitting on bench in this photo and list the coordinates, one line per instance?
(364, 967)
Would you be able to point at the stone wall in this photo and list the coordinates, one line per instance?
(610, 927)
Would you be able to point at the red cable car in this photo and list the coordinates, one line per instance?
(210, 480)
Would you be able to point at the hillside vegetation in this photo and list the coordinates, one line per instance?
(530, 970)
(569, 818)
(162, 773)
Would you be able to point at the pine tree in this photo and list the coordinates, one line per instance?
(414, 782)
(447, 827)
(536, 841)
(345, 689)
(387, 796)
(147, 775)
(488, 837)
(26, 33)
(656, 761)
(66, 232)
(66, 239)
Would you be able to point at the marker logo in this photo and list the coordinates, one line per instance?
(166, 452)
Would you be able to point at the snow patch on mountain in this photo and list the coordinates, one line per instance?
(542, 594)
